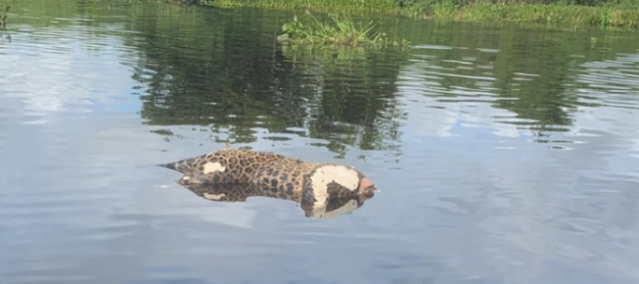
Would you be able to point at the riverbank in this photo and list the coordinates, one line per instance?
(574, 15)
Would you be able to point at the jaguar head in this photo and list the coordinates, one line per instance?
(335, 181)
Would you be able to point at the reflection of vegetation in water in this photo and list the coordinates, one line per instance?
(224, 82)
(355, 89)
(531, 72)
(339, 31)
(223, 70)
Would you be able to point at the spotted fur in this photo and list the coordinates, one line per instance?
(314, 183)
(334, 207)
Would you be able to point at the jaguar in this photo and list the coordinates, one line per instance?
(312, 183)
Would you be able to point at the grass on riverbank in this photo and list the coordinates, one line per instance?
(556, 14)
(337, 32)
(3, 17)
(313, 5)
(480, 10)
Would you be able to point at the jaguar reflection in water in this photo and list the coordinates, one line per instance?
(324, 190)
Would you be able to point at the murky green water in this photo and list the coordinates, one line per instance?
(503, 154)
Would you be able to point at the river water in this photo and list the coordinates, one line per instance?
(503, 153)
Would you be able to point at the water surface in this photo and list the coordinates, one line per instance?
(504, 154)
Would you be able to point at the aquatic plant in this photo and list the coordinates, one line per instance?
(339, 31)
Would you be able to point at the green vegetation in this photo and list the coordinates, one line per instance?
(574, 15)
(3, 18)
(342, 32)
(605, 13)
(323, 5)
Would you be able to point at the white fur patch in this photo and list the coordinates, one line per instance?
(326, 174)
(213, 167)
(213, 196)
